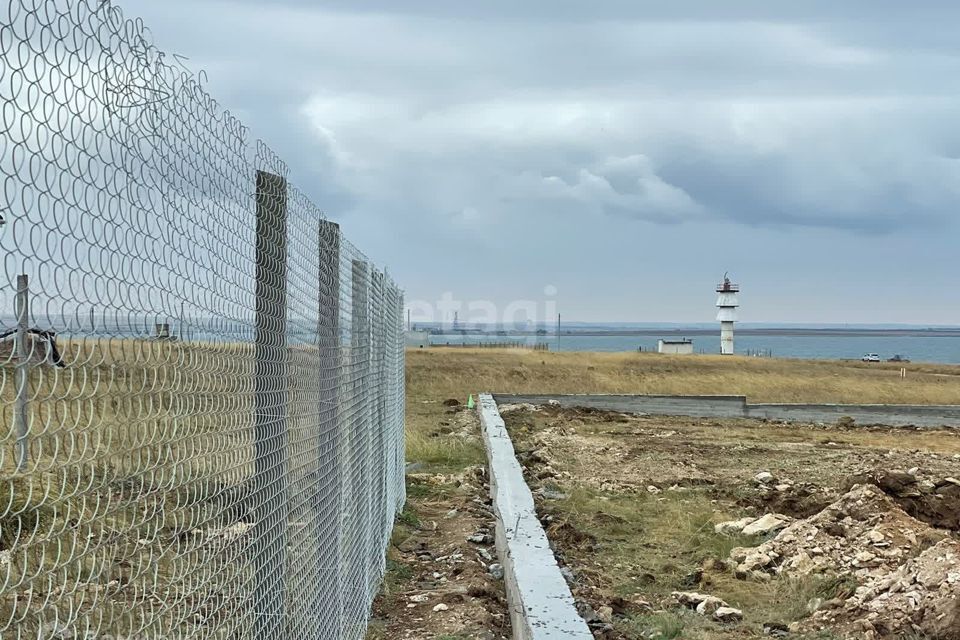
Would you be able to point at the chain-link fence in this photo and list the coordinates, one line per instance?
(201, 379)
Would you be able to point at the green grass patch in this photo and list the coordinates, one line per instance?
(409, 517)
(661, 538)
(662, 625)
(397, 577)
(444, 454)
(423, 490)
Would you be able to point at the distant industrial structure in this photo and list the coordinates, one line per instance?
(676, 347)
(727, 303)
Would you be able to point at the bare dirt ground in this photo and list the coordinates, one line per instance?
(442, 581)
(854, 529)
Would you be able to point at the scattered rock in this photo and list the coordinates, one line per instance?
(419, 597)
(709, 605)
(518, 407)
(481, 537)
(653, 489)
(451, 402)
(764, 477)
(727, 614)
(689, 599)
(768, 524)
(733, 527)
(553, 403)
(440, 607)
(776, 629)
(587, 612)
(496, 571)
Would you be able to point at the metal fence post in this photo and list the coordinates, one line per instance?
(360, 438)
(270, 403)
(21, 409)
(378, 424)
(328, 595)
(396, 350)
(395, 373)
(400, 444)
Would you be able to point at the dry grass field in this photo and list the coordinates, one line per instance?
(437, 374)
(455, 371)
(635, 545)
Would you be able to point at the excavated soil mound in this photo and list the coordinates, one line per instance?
(864, 533)
(933, 500)
(920, 599)
(908, 571)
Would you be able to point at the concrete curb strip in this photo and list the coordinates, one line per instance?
(541, 605)
(894, 415)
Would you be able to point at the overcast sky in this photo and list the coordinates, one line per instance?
(626, 153)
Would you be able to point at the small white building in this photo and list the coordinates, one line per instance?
(417, 339)
(676, 347)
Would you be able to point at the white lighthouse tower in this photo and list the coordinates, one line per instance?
(727, 303)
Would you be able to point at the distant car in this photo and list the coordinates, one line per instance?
(898, 358)
(871, 357)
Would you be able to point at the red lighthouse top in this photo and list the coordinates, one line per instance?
(727, 287)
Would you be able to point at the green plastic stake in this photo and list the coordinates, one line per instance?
(470, 404)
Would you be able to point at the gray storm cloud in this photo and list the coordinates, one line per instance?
(426, 121)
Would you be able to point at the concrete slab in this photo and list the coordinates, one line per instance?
(693, 406)
(894, 415)
(541, 605)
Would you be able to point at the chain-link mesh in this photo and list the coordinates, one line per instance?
(201, 379)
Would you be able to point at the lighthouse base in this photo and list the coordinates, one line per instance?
(726, 338)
